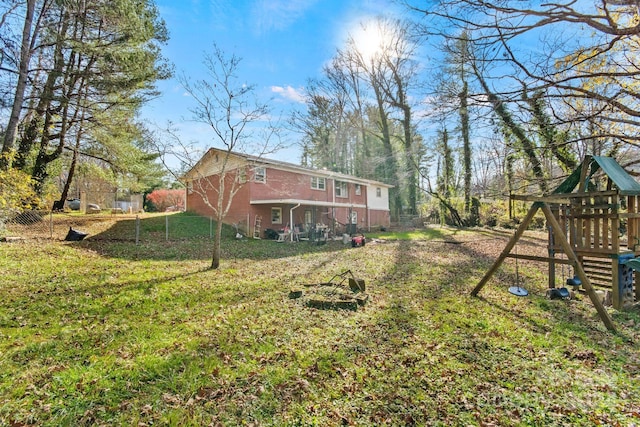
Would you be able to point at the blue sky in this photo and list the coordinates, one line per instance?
(282, 44)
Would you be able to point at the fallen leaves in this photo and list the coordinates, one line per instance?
(176, 343)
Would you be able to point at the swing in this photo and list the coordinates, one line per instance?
(574, 282)
(563, 293)
(517, 290)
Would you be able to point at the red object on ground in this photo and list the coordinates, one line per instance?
(357, 241)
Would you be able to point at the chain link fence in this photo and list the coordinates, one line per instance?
(26, 224)
(106, 202)
(113, 226)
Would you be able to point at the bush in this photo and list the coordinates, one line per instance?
(494, 213)
(16, 192)
(166, 200)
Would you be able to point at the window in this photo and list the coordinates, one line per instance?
(341, 189)
(276, 215)
(308, 217)
(378, 192)
(317, 183)
(259, 174)
(358, 190)
(190, 187)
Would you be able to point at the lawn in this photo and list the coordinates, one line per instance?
(106, 332)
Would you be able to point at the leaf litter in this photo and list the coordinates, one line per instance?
(230, 347)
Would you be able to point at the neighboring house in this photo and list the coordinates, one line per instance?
(278, 195)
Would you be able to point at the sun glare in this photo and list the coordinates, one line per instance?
(369, 40)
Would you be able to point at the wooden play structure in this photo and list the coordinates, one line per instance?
(593, 219)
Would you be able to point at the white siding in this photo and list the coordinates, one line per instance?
(375, 202)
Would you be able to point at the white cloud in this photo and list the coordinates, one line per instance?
(290, 93)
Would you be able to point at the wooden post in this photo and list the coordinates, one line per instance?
(616, 298)
(586, 164)
(597, 213)
(615, 224)
(552, 263)
(588, 211)
(577, 268)
(632, 223)
(507, 249)
(633, 231)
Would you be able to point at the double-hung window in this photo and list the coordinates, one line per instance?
(341, 189)
(318, 183)
(259, 174)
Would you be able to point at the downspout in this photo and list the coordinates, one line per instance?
(333, 205)
(291, 226)
(366, 203)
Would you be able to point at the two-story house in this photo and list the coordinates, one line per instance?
(279, 195)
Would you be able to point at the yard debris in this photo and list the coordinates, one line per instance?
(334, 294)
(75, 235)
(10, 239)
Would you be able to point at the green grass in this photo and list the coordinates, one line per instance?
(104, 332)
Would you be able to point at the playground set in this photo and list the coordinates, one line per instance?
(593, 219)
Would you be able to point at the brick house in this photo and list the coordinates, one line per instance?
(270, 194)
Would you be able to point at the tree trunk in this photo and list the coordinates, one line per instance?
(72, 85)
(14, 118)
(466, 145)
(44, 104)
(410, 163)
(394, 193)
(217, 239)
(59, 205)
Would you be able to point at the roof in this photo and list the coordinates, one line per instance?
(626, 184)
(295, 168)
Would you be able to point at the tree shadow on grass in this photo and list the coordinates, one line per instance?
(414, 294)
(433, 316)
(567, 318)
(458, 270)
(189, 238)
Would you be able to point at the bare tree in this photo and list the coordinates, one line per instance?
(365, 62)
(239, 123)
(360, 117)
(579, 56)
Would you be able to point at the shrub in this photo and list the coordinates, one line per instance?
(166, 200)
(16, 192)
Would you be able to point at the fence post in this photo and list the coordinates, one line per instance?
(137, 229)
(166, 227)
(51, 225)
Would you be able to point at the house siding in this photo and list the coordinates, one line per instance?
(283, 184)
(238, 210)
(282, 187)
